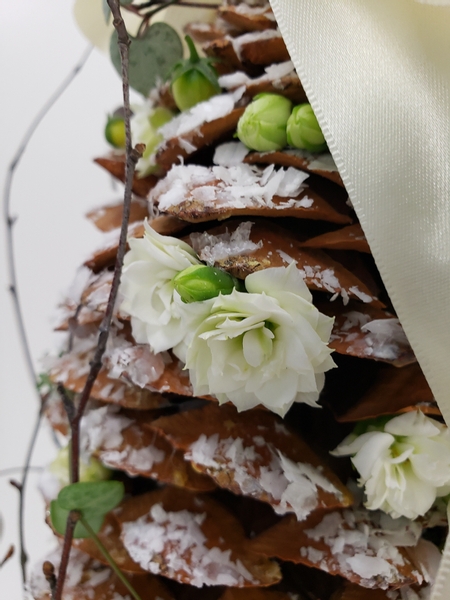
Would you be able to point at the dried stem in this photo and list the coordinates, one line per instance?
(7, 556)
(72, 520)
(10, 220)
(13, 287)
(132, 156)
(110, 560)
(23, 484)
(49, 573)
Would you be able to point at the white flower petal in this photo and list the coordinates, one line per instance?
(262, 346)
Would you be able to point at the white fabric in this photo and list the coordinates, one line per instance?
(377, 73)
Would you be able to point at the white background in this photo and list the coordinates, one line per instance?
(55, 184)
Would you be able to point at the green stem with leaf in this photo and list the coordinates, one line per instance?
(110, 559)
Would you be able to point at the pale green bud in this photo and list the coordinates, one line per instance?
(262, 127)
(303, 130)
(115, 132)
(199, 282)
(92, 470)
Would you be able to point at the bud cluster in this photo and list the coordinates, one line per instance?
(270, 123)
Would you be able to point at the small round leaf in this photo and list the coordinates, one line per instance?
(151, 56)
(58, 516)
(93, 496)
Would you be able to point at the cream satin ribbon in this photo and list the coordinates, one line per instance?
(377, 73)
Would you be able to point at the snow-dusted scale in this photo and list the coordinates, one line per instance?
(121, 441)
(249, 51)
(254, 454)
(196, 193)
(366, 547)
(367, 332)
(248, 18)
(321, 164)
(244, 249)
(280, 79)
(131, 376)
(191, 539)
(90, 579)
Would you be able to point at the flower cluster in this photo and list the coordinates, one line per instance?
(404, 463)
(265, 345)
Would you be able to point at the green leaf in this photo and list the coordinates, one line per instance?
(151, 56)
(106, 11)
(97, 497)
(58, 516)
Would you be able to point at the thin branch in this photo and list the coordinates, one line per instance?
(110, 559)
(23, 485)
(68, 404)
(10, 220)
(132, 156)
(7, 556)
(11, 470)
(151, 3)
(49, 573)
(72, 520)
(13, 286)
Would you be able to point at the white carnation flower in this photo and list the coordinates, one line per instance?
(404, 465)
(158, 315)
(268, 346)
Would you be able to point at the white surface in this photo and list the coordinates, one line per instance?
(55, 184)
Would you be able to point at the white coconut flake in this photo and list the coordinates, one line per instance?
(234, 80)
(213, 248)
(230, 154)
(102, 428)
(173, 543)
(288, 486)
(359, 294)
(366, 545)
(203, 112)
(385, 338)
(251, 38)
(238, 186)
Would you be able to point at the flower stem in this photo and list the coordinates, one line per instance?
(110, 559)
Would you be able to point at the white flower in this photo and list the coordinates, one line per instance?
(158, 315)
(404, 465)
(268, 346)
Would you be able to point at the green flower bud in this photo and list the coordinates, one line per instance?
(115, 132)
(194, 80)
(262, 127)
(92, 470)
(303, 130)
(199, 282)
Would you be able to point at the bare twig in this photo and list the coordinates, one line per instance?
(11, 470)
(13, 287)
(7, 556)
(23, 484)
(132, 156)
(68, 404)
(72, 520)
(10, 220)
(49, 573)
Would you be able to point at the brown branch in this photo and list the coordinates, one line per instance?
(132, 156)
(13, 286)
(7, 556)
(49, 573)
(72, 520)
